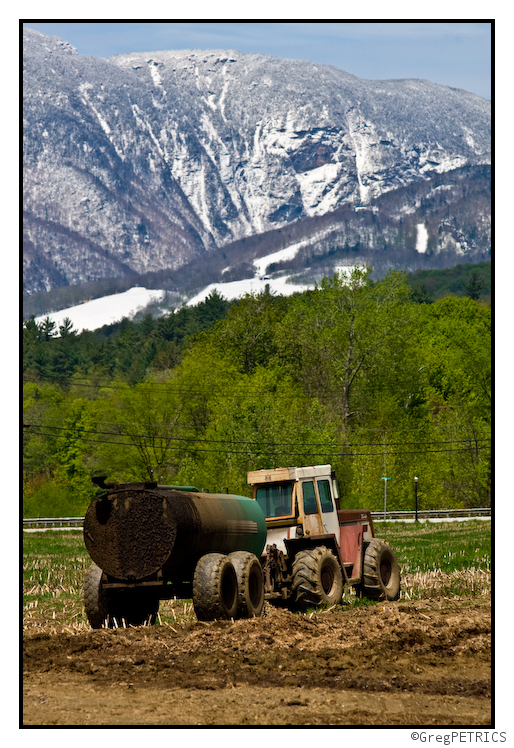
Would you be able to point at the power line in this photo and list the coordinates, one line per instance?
(325, 454)
(250, 443)
(244, 392)
(353, 430)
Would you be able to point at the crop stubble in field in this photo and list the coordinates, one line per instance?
(423, 661)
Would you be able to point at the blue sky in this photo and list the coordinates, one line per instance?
(454, 54)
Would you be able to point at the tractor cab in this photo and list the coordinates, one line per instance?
(298, 502)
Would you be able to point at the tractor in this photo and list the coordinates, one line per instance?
(313, 547)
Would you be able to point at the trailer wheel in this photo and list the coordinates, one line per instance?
(130, 607)
(380, 572)
(317, 578)
(250, 583)
(95, 600)
(215, 589)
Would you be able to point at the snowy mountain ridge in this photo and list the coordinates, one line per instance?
(149, 161)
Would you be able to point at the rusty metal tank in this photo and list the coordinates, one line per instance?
(134, 530)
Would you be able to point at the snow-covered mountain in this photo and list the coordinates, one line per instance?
(144, 162)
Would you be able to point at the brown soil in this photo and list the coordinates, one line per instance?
(407, 663)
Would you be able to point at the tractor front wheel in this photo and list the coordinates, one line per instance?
(317, 578)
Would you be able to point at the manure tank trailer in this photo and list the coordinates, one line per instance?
(150, 542)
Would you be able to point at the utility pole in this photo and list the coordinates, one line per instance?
(416, 495)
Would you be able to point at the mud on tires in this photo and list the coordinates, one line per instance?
(215, 588)
(317, 578)
(380, 572)
(250, 582)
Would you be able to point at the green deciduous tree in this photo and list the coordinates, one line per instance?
(456, 347)
(248, 335)
(72, 451)
(141, 430)
(347, 337)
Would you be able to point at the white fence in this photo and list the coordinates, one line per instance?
(439, 515)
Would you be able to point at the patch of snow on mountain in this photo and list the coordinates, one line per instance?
(157, 80)
(443, 164)
(422, 237)
(261, 263)
(345, 269)
(237, 289)
(281, 137)
(316, 195)
(104, 311)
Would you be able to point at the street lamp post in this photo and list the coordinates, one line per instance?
(416, 494)
(385, 479)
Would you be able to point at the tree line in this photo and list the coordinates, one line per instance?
(357, 373)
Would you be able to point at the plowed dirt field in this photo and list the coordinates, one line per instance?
(406, 663)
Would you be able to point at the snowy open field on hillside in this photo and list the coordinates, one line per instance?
(236, 289)
(93, 314)
(108, 309)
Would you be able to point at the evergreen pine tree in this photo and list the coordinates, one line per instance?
(474, 287)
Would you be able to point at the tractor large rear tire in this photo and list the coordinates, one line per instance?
(380, 572)
(317, 578)
(250, 582)
(215, 589)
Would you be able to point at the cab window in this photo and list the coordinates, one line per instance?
(325, 496)
(310, 505)
(276, 500)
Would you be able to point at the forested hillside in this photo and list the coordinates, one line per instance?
(462, 280)
(357, 373)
